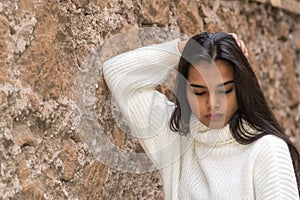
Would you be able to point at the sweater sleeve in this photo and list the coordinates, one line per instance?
(131, 78)
(274, 176)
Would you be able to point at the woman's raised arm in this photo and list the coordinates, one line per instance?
(131, 78)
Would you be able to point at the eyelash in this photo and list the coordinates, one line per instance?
(221, 92)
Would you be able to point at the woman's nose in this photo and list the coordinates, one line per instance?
(213, 102)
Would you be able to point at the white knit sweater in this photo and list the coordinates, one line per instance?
(206, 164)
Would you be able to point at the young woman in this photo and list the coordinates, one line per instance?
(219, 140)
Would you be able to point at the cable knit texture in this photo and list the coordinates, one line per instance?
(207, 163)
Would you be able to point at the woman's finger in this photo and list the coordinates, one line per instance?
(236, 38)
(243, 48)
(241, 44)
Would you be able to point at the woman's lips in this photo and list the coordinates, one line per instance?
(214, 117)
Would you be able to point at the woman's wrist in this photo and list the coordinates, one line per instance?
(181, 45)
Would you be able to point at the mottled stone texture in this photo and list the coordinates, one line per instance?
(46, 44)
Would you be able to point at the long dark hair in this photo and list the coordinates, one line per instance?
(252, 105)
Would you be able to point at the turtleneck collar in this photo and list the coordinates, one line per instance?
(210, 137)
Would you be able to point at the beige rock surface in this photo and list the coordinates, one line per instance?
(57, 119)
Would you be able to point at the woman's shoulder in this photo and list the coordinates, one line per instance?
(270, 147)
(270, 139)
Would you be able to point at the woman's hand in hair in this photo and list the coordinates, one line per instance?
(181, 44)
(241, 44)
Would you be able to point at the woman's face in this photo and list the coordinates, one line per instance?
(211, 93)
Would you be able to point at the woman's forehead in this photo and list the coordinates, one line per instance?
(213, 73)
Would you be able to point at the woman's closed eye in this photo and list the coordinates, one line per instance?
(225, 91)
(201, 93)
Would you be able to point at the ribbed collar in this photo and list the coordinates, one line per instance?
(210, 137)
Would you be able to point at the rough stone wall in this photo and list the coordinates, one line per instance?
(44, 46)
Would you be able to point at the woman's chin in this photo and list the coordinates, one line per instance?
(214, 125)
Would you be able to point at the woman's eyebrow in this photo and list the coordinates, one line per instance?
(198, 86)
(219, 85)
